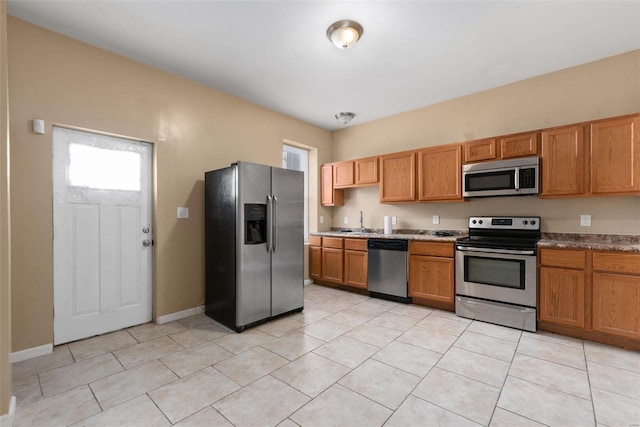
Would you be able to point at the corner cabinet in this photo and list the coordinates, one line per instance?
(330, 196)
(398, 177)
(431, 274)
(439, 176)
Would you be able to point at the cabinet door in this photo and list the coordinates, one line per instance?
(431, 278)
(525, 144)
(398, 177)
(315, 262)
(343, 174)
(366, 171)
(478, 151)
(563, 169)
(615, 156)
(562, 296)
(355, 268)
(616, 304)
(332, 265)
(330, 197)
(440, 173)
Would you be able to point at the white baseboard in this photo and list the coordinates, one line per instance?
(30, 353)
(179, 315)
(308, 282)
(6, 420)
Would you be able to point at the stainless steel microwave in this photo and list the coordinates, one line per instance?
(514, 177)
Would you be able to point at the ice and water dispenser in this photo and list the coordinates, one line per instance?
(255, 223)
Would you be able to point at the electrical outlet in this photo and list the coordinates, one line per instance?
(321, 219)
(585, 220)
(394, 220)
(436, 219)
(182, 213)
(346, 220)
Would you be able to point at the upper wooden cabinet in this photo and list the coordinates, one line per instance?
(519, 145)
(366, 171)
(563, 161)
(398, 177)
(615, 156)
(330, 196)
(481, 150)
(439, 173)
(343, 174)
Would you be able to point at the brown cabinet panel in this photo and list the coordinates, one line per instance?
(431, 278)
(355, 268)
(332, 242)
(563, 161)
(562, 296)
(366, 171)
(343, 174)
(441, 249)
(329, 196)
(563, 258)
(398, 177)
(615, 156)
(315, 241)
(439, 173)
(315, 262)
(332, 265)
(616, 304)
(355, 244)
(616, 262)
(481, 150)
(524, 144)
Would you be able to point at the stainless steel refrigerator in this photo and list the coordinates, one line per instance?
(254, 243)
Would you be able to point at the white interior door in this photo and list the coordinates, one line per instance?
(102, 251)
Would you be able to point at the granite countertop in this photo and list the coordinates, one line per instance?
(423, 235)
(599, 242)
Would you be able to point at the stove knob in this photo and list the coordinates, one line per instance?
(473, 221)
(479, 221)
(533, 222)
(525, 222)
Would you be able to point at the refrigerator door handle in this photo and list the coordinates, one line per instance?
(269, 223)
(274, 222)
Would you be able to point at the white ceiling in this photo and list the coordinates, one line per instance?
(412, 53)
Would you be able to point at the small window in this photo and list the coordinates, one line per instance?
(103, 169)
(298, 159)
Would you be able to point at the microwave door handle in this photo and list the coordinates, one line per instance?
(516, 177)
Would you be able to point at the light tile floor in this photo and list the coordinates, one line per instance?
(346, 360)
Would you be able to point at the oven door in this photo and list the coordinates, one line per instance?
(496, 274)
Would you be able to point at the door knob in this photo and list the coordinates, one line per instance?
(146, 243)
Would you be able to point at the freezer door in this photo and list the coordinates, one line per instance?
(253, 268)
(287, 258)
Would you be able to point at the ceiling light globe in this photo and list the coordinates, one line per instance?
(344, 34)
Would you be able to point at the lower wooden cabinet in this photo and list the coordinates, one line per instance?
(355, 269)
(315, 262)
(591, 294)
(562, 296)
(339, 261)
(431, 274)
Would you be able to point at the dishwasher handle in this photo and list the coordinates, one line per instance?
(388, 244)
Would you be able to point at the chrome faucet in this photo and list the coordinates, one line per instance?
(362, 229)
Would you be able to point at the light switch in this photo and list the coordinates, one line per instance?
(38, 126)
(183, 213)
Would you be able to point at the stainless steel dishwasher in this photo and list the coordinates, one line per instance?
(387, 269)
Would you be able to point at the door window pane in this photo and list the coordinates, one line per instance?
(298, 159)
(103, 169)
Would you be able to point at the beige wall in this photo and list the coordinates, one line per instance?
(601, 89)
(193, 128)
(5, 240)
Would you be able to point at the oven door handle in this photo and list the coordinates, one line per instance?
(496, 251)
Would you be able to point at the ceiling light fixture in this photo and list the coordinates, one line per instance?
(344, 33)
(344, 118)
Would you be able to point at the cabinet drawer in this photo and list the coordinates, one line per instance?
(562, 258)
(315, 241)
(332, 242)
(616, 262)
(441, 249)
(355, 244)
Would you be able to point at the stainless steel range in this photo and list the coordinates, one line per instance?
(496, 271)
